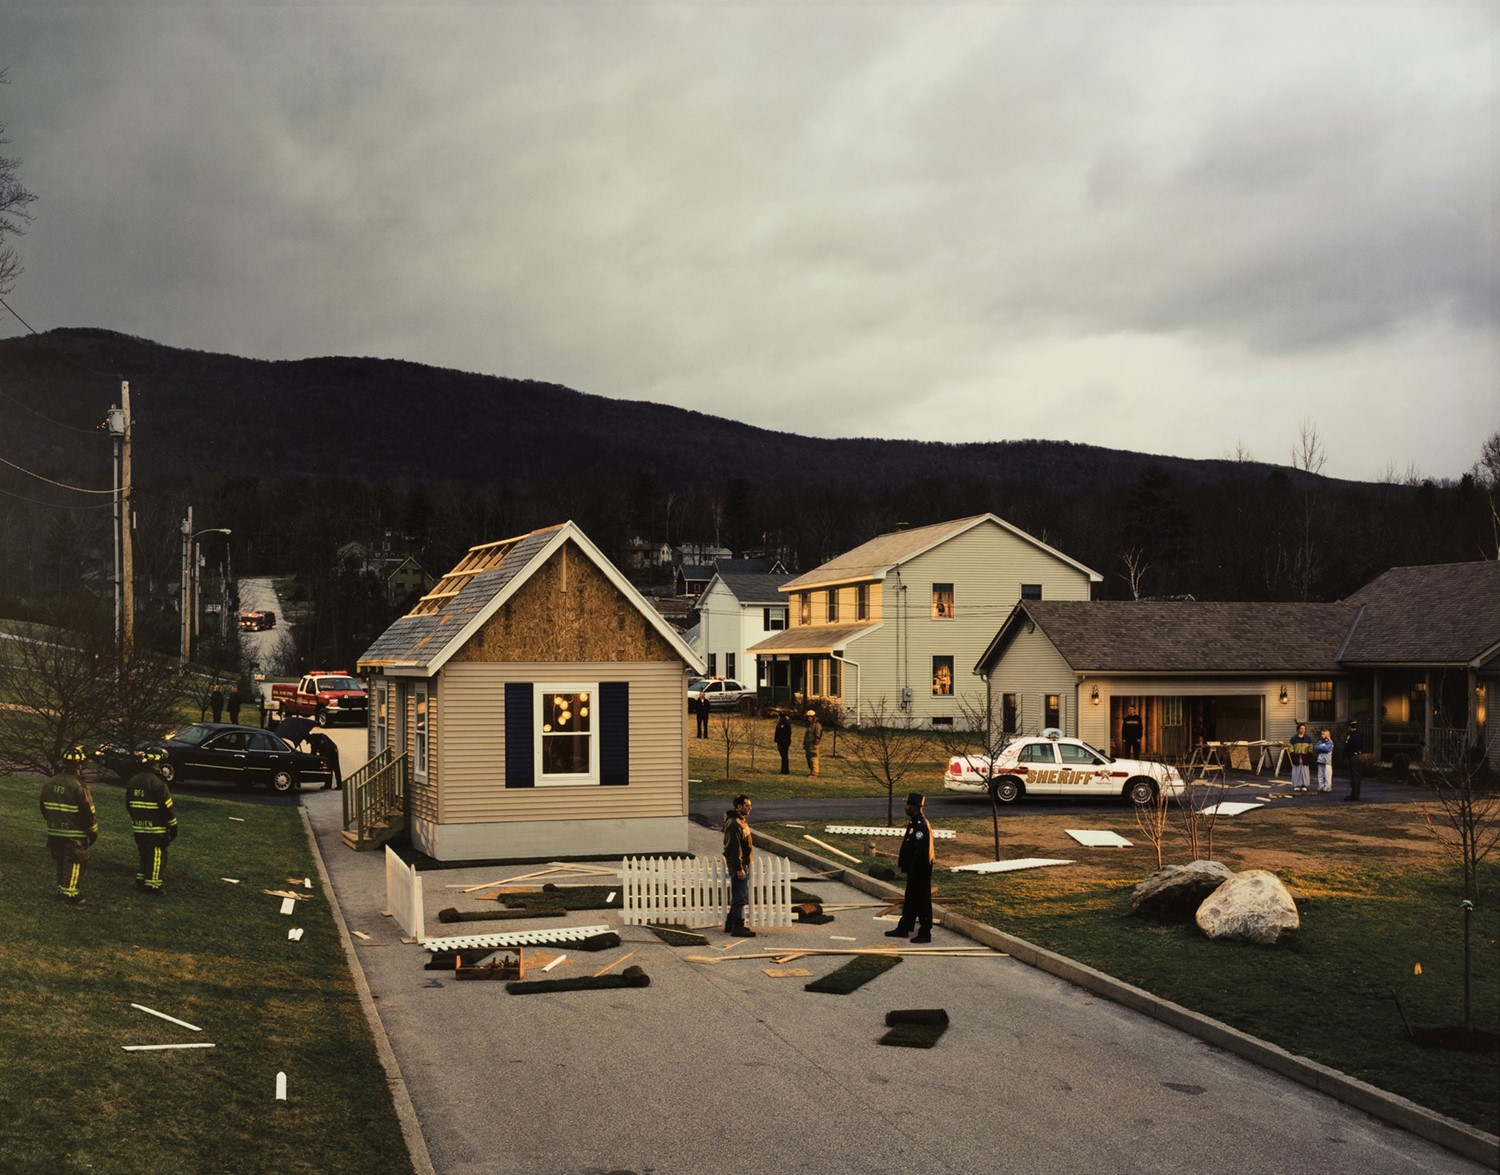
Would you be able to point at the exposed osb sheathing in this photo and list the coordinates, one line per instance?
(567, 611)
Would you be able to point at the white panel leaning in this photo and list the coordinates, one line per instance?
(694, 891)
(403, 894)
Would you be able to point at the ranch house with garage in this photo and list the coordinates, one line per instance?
(535, 699)
(1414, 656)
(894, 622)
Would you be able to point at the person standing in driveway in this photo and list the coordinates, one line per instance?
(738, 849)
(700, 708)
(148, 802)
(234, 703)
(72, 827)
(321, 744)
(812, 739)
(916, 860)
(783, 739)
(216, 702)
(1323, 749)
(1301, 748)
(1354, 747)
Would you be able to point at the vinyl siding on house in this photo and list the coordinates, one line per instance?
(1032, 668)
(471, 737)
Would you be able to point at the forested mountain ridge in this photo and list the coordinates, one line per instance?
(300, 457)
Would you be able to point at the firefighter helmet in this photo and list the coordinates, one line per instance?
(75, 754)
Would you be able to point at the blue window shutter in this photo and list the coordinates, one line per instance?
(614, 733)
(520, 767)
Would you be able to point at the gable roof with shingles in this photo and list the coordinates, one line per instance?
(1169, 636)
(871, 560)
(1439, 614)
(749, 588)
(445, 618)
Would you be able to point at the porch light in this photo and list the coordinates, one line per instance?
(1283, 695)
(1094, 695)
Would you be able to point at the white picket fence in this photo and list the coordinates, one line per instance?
(694, 891)
(403, 894)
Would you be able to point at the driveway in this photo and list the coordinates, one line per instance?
(724, 1068)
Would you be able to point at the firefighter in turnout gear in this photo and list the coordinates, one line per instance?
(152, 819)
(72, 826)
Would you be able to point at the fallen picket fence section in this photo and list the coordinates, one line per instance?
(694, 891)
(882, 830)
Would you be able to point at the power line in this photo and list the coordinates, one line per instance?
(56, 505)
(70, 427)
(60, 485)
(60, 351)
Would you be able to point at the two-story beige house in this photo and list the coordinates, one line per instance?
(898, 623)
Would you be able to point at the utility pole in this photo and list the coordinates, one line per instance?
(124, 522)
(186, 606)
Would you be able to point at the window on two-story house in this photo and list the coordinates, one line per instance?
(942, 677)
(942, 601)
(1010, 713)
(833, 605)
(1052, 704)
(419, 731)
(713, 664)
(862, 602)
(1031, 591)
(728, 664)
(835, 678)
(804, 607)
(773, 619)
(1320, 701)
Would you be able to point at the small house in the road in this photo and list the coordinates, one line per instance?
(539, 697)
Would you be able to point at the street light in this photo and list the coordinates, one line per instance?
(190, 580)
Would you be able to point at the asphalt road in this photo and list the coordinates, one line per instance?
(725, 1068)
(264, 646)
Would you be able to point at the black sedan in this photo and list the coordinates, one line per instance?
(218, 752)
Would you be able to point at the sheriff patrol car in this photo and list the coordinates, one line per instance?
(1055, 766)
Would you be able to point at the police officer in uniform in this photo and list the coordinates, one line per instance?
(148, 800)
(916, 859)
(72, 826)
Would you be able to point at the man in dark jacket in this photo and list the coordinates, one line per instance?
(916, 859)
(148, 802)
(322, 744)
(739, 847)
(72, 826)
(1130, 733)
(783, 739)
(1354, 747)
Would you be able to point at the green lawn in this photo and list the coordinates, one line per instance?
(1326, 997)
(755, 765)
(208, 952)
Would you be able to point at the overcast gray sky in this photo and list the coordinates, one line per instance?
(1179, 228)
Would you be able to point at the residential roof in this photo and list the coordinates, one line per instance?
(1114, 636)
(1440, 614)
(445, 618)
(872, 560)
(754, 589)
(812, 639)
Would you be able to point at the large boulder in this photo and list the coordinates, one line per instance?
(1174, 892)
(1252, 906)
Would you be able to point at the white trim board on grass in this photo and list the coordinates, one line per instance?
(1008, 866)
(1098, 838)
(1230, 808)
(881, 830)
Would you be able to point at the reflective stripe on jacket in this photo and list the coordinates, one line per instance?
(68, 808)
(149, 803)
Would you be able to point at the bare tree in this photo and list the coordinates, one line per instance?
(1469, 829)
(980, 738)
(1487, 475)
(1135, 570)
(1308, 456)
(735, 728)
(885, 748)
(57, 683)
(15, 201)
(1153, 818)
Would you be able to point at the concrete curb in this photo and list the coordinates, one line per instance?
(1458, 1137)
(406, 1114)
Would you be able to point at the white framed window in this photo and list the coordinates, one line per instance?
(382, 716)
(419, 731)
(942, 601)
(773, 619)
(567, 751)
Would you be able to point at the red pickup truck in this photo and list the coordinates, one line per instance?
(325, 696)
